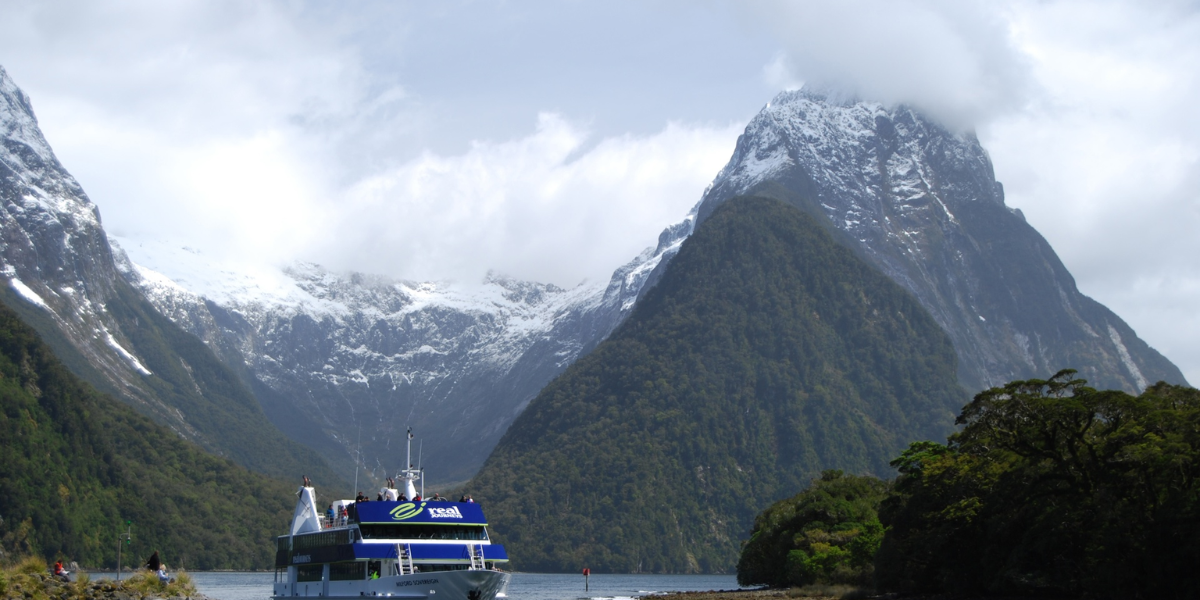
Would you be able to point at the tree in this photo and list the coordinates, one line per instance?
(1052, 487)
(826, 534)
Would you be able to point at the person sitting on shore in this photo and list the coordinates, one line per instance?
(162, 574)
(60, 572)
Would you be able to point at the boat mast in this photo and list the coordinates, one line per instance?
(410, 474)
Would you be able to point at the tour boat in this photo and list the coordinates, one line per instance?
(394, 547)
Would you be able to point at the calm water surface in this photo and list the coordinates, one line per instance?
(524, 586)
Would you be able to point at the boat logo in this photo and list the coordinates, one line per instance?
(406, 511)
(445, 513)
(409, 510)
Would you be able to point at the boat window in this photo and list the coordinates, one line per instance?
(309, 541)
(347, 571)
(281, 552)
(309, 572)
(423, 532)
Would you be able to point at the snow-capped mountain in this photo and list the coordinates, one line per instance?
(343, 362)
(922, 204)
(346, 362)
(59, 275)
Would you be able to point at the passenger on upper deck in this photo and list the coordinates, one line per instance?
(436, 497)
(360, 497)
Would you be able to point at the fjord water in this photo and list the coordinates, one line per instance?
(524, 586)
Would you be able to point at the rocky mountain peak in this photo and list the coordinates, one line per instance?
(18, 124)
(859, 156)
(922, 203)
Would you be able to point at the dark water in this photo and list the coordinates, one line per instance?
(524, 586)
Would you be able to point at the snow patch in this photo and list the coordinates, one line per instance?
(127, 355)
(1127, 359)
(27, 293)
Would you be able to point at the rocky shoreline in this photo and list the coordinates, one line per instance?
(806, 593)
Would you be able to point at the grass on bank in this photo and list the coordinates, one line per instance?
(30, 579)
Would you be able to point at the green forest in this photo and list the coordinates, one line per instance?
(766, 353)
(77, 465)
(1051, 488)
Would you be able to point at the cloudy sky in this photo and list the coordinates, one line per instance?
(554, 140)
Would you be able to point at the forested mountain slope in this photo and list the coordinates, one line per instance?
(766, 353)
(75, 465)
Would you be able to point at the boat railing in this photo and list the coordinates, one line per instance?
(327, 523)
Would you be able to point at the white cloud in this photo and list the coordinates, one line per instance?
(781, 75)
(951, 59)
(552, 206)
(273, 130)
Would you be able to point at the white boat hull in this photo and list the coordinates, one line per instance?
(437, 585)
